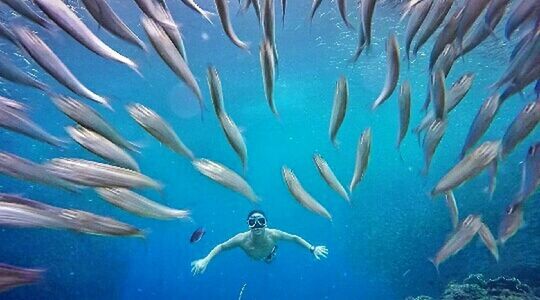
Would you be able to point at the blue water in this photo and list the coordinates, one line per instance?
(378, 246)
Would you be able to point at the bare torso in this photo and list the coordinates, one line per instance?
(258, 247)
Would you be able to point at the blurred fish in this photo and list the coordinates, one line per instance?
(471, 12)
(223, 12)
(139, 205)
(438, 94)
(404, 111)
(156, 126)
(446, 36)
(461, 238)
(6, 103)
(106, 17)
(6, 33)
(511, 223)
(89, 118)
(256, 8)
(329, 176)
(231, 130)
(268, 68)
(524, 10)
(434, 19)
(525, 77)
(470, 166)
(173, 32)
(452, 207)
(197, 235)
(432, 139)
(367, 9)
(46, 58)
(283, 10)
(18, 122)
(102, 147)
(342, 8)
(94, 174)
(168, 52)
(341, 98)
(16, 211)
(482, 31)
(26, 11)
(301, 195)
(225, 176)
(89, 223)
(23, 169)
(392, 72)
(520, 127)
(12, 277)
(419, 13)
(494, 11)
(487, 237)
(196, 8)
(314, 6)
(362, 158)
(66, 19)
(361, 41)
(9, 71)
(446, 60)
(481, 123)
(530, 174)
(269, 26)
(151, 8)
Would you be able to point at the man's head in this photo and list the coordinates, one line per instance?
(256, 221)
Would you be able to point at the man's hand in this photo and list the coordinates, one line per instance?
(199, 266)
(320, 251)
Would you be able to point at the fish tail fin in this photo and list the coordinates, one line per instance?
(435, 264)
(183, 214)
(135, 147)
(207, 15)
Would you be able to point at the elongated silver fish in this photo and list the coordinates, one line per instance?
(511, 222)
(139, 205)
(16, 106)
(404, 103)
(314, 7)
(66, 19)
(523, 79)
(12, 277)
(520, 127)
(6, 33)
(18, 122)
(524, 10)
(23, 169)
(168, 52)
(452, 208)
(89, 118)
(223, 12)
(329, 176)
(487, 238)
(461, 238)
(446, 36)
(361, 41)
(268, 68)
(481, 31)
(419, 13)
(530, 174)
(94, 174)
(438, 94)
(446, 60)
(156, 126)
(471, 12)
(151, 8)
(481, 123)
(342, 8)
(470, 166)
(495, 9)
(362, 158)
(392, 71)
(196, 8)
(102, 147)
(367, 8)
(269, 26)
(46, 58)
(432, 139)
(339, 108)
(434, 19)
(102, 12)
(173, 32)
(26, 11)
(226, 177)
(301, 195)
(9, 71)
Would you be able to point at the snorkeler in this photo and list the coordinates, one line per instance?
(259, 243)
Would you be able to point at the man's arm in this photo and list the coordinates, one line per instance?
(318, 251)
(199, 266)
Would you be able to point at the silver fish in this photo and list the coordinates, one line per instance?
(314, 6)
(470, 166)
(481, 122)
(419, 13)
(46, 58)
(452, 207)
(438, 94)
(520, 127)
(446, 60)
(156, 126)
(89, 118)
(9, 71)
(102, 12)
(432, 139)
(18, 122)
(94, 174)
(256, 8)
(461, 238)
(139, 205)
(329, 176)
(362, 158)
(6, 103)
(525, 77)
(196, 8)
(66, 19)
(339, 108)
(268, 68)
(269, 26)
(24, 10)
(495, 10)
(226, 177)
(361, 41)
(102, 147)
(404, 111)
(301, 195)
(367, 8)
(342, 8)
(487, 237)
(434, 19)
(12, 277)
(151, 8)
(168, 52)
(231, 130)
(524, 10)
(471, 11)
(446, 36)
(530, 174)
(223, 12)
(481, 31)
(6, 33)
(392, 72)
(23, 169)
(511, 223)
(173, 32)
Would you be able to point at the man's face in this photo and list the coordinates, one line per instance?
(257, 223)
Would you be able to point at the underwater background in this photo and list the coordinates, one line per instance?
(379, 245)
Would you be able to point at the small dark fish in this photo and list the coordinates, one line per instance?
(520, 127)
(12, 277)
(419, 13)
(446, 36)
(342, 8)
(434, 19)
(314, 6)
(392, 71)
(197, 235)
(9, 71)
(223, 12)
(404, 111)
(524, 10)
(196, 8)
(24, 10)
(367, 9)
(363, 150)
(339, 108)
(487, 237)
(471, 12)
(512, 222)
(481, 122)
(432, 139)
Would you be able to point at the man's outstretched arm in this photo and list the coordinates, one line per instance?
(318, 251)
(199, 266)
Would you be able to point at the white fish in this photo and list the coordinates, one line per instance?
(329, 176)
(362, 158)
